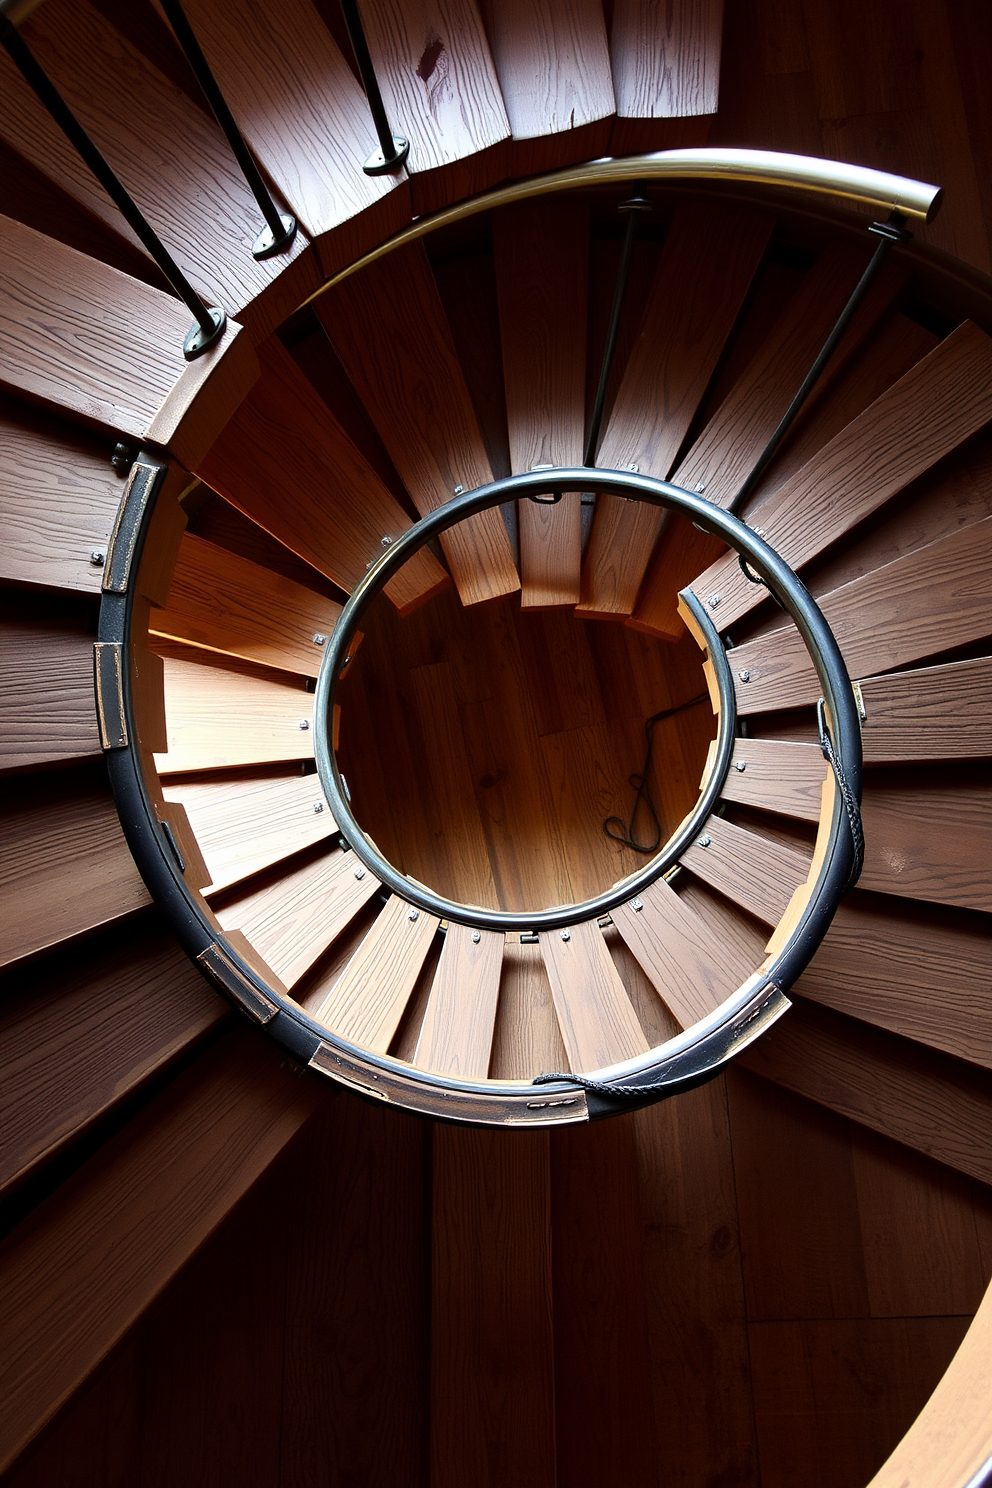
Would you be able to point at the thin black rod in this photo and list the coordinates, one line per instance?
(60, 111)
(186, 37)
(890, 233)
(636, 205)
(363, 57)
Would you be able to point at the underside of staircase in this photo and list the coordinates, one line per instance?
(220, 1266)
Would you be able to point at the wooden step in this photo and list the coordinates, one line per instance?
(228, 604)
(553, 66)
(79, 1272)
(66, 865)
(244, 826)
(777, 775)
(925, 1100)
(733, 439)
(368, 1000)
(286, 462)
(58, 500)
(399, 353)
(930, 600)
(441, 93)
(692, 970)
(758, 874)
(710, 257)
(666, 73)
(47, 705)
(883, 958)
(542, 266)
(598, 1024)
(107, 1015)
(935, 713)
(218, 718)
(194, 195)
(301, 109)
(921, 418)
(929, 839)
(456, 1036)
(291, 921)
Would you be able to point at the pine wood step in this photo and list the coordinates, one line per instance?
(47, 705)
(456, 1036)
(758, 874)
(936, 713)
(368, 1000)
(598, 1023)
(666, 69)
(218, 718)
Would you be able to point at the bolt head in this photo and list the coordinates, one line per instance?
(745, 676)
(637, 904)
(740, 765)
(97, 558)
(319, 639)
(359, 872)
(699, 488)
(704, 841)
(304, 723)
(713, 600)
(413, 914)
(634, 469)
(476, 936)
(566, 935)
(318, 806)
(387, 542)
(459, 490)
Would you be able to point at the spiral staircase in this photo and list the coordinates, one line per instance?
(222, 1266)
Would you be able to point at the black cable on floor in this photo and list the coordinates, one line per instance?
(642, 787)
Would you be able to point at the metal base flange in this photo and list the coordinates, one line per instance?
(267, 244)
(382, 165)
(198, 340)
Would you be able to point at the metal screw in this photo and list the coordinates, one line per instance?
(713, 600)
(476, 936)
(97, 558)
(413, 914)
(704, 841)
(740, 765)
(635, 469)
(758, 531)
(700, 488)
(387, 542)
(745, 676)
(318, 639)
(318, 806)
(359, 872)
(123, 457)
(566, 935)
(459, 490)
(637, 903)
(304, 723)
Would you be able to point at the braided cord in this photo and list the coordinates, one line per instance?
(851, 807)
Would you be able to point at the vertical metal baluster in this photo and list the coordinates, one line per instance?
(633, 207)
(393, 148)
(281, 227)
(210, 323)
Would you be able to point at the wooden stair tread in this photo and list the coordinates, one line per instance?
(217, 718)
(709, 259)
(286, 462)
(400, 355)
(47, 705)
(290, 923)
(777, 776)
(106, 1015)
(930, 600)
(939, 712)
(598, 1024)
(666, 64)
(920, 972)
(243, 826)
(305, 116)
(752, 871)
(543, 329)
(367, 1002)
(691, 970)
(928, 839)
(922, 417)
(66, 865)
(193, 193)
(226, 603)
(456, 1035)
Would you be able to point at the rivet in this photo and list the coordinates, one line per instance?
(318, 806)
(386, 542)
(459, 490)
(476, 936)
(704, 841)
(97, 558)
(740, 765)
(713, 600)
(745, 676)
(359, 872)
(304, 723)
(318, 639)
(413, 914)
(566, 935)
(637, 903)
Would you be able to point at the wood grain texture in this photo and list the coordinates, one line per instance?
(925, 1100)
(367, 1002)
(492, 1351)
(553, 65)
(929, 601)
(58, 500)
(217, 718)
(456, 1035)
(399, 353)
(754, 872)
(598, 1023)
(711, 253)
(243, 826)
(689, 967)
(292, 920)
(91, 1258)
(105, 1017)
(666, 63)
(777, 776)
(226, 603)
(46, 695)
(286, 462)
(929, 839)
(936, 713)
(527, 1038)
(171, 154)
(542, 325)
(66, 865)
(921, 418)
